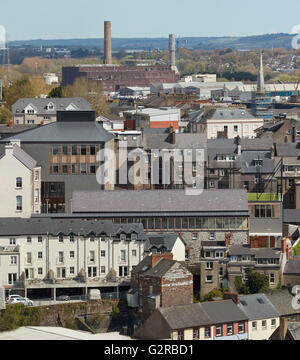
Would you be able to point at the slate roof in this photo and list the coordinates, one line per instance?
(15, 129)
(161, 268)
(36, 226)
(292, 267)
(185, 316)
(221, 147)
(255, 310)
(291, 216)
(159, 241)
(287, 149)
(24, 158)
(64, 132)
(224, 311)
(257, 144)
(40, 105)
(160, 201)
(261, 253)
(294, 329)
(282, 300)
(225, 114)
(248, 158)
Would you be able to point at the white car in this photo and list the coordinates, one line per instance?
(20, 300)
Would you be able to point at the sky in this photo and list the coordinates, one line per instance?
(65, 19)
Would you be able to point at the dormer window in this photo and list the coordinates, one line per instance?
(50, 106)
(123, 237)
(258, 162)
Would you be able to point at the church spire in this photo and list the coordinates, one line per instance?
(261, 78)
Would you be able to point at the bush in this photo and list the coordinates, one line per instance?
(115, 311)
(257, 282)
(18, 315)
(213, 294)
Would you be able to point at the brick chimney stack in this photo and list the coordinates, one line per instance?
(155, 258)
(283, 245)
(233, 296)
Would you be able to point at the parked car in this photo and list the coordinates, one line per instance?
(20, 300)
(63, 298)
(13, 297)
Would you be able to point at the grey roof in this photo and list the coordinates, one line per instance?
(185, 316)
(160, 201)
(161, 268)
(159, 241)
(257, 306)
(15, 129)
(292, 267)
(221, 147)
(41, 104)
(36, 226)
(257, 144)
(23, 157)
(282, 300)
(291, 216)
(231, 113)
(64, 132)
(260, 253)
(182, 141)
(224, 311)
(248, 158)
(287, 149)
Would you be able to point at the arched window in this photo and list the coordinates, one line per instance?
(19, 182)
(19, 203)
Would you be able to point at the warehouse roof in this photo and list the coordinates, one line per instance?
(160, 201)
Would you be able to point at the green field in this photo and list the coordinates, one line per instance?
(263, 197)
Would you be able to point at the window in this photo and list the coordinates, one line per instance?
(40, 255)
(72, 254)
(12, 278)
(55, 168)
(209, 265)
(123, 255)
(65, 168)
(134, 253)
(93, 150)
(61, 238)
(241, 328)
(212, 236)
(72, 238)
(123, 271)
(12, 241)
(19, 183)
(55, 150)
(272, 278)
(219, 330)
(180, 335)
(236, 128)
(221, 271)
(273, 323)
(83, 168)
(83, 150)
(195, 236)
(102, 253)
(207, 332)
(209, 279)
(229, 329)
(92, 168)
(211, 184)
(219, 254)
(61, 257)
(74, 169)
(103, 271)
(196, 334)
(258, 162)
(264, 324)
(72, 270)
(28, 258)
(19, 203)
(29, 240)
(74, 149)
(36, 175)
(92, 256)
(13, 260)
(40, 271)
(65, 150)
(187, 254)
(254, 326)
(92, 272)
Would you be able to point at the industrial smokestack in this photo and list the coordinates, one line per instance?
(107, 43)
(172, 51)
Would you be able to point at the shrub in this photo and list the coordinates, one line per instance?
(213, 294)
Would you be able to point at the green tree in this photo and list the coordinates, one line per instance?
(56, 92)
(257, 282)
(213, 294)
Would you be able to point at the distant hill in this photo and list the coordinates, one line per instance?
(267, 41)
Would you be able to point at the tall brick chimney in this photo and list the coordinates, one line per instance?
(107, 43)
(283, 245)
(155, 258)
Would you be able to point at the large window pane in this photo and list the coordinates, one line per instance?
(171, 223)
(211, 223)
(204, 223)
(219, 223)
(178, 223)
(226, 223)
(157, 223)
(232, 223)
(150, 223)
(184, 223)
(239, 222)
(164, 223)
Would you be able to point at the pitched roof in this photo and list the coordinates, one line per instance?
(60, 132)
(249, 167)
(24, 158)
(293, 266)
(257, 306)
(42, 226)
(260, 253)
(160, 201)
(282, 300)
(287, 149)
(159, 241)
(224, 311)
(185, 316)
(226, 114)
(40, 104)
(257, 144)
